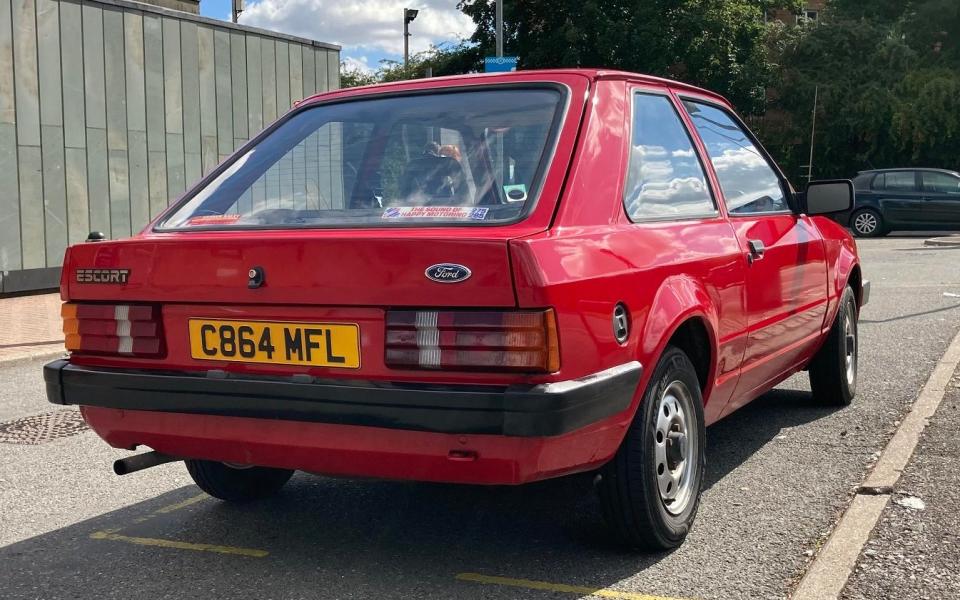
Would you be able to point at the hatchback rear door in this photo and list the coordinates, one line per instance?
(346, 211)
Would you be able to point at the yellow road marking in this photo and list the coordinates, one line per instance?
(172, 507)
(184, 504)
(111, 534)
(160, 543)
(557, 587)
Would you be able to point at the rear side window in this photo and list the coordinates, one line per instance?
(897, 181)
(940, 183)
(665, 178)
(750, 185)
(456, 157)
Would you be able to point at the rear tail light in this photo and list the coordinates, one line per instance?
(473, 340)
(127, 329)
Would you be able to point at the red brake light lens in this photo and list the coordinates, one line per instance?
(125, 329)
(524, 341)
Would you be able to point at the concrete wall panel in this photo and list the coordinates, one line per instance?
(110, 110)
(156, 118)
(283, 77)
(238, 79)
(224, 90)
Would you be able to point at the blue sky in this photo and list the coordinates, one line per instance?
(368, 30)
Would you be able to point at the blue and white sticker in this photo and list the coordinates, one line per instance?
(456, 213)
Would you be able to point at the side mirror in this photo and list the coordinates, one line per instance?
(827, 197)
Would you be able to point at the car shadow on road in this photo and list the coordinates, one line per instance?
(912, 315)
(324, 537)
(736, 438)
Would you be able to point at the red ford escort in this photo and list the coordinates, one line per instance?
(489, 279)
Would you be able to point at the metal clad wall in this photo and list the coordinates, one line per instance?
(110, 109)
(74, 122)
(156, 119)
(10, 251)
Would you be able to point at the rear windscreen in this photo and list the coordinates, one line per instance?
(457, 157)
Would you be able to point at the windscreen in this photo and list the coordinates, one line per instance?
(449, 158)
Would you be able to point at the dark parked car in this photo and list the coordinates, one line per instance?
(905, 199)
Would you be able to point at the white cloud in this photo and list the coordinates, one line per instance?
(362, 25)
(359, 63)
(746, 178)
(665, 183)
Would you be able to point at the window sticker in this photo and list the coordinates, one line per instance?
(461, 213)
(213, 220)
(515, 193)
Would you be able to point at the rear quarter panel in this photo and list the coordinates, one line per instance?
(664, 272)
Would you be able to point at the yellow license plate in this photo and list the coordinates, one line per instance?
(308, 344)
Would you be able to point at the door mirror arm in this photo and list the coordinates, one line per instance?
(798, 203)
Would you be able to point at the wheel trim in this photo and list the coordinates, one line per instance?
(850, 343)
(865, 223)
(675, 448)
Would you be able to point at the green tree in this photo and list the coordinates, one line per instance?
(445, 59)
(352, 76)
(719, 44)
(888, 77)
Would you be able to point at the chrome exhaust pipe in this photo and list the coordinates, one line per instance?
(140, 462)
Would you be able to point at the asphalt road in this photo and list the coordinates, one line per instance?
(779, 473)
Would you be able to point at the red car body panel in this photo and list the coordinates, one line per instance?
(576, 252)
(349, 450)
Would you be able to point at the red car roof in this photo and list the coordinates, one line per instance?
(532, 75)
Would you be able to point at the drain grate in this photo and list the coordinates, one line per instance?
(40, 429)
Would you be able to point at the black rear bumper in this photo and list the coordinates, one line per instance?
(516, 410)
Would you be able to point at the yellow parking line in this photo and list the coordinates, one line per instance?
(184, 504)
(556, 587)
(160, 543)
(172, 507)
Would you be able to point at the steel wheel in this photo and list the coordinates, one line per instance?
(675, 448)
(236, 483)
(850, 342)
(833, 371)
(650, 490)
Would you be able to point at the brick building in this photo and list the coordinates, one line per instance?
(811, 12)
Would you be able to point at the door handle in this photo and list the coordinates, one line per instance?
(757, 250)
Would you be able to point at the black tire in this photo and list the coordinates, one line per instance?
(630, 493)
(866, 223)
(236, 484)
(832, 378)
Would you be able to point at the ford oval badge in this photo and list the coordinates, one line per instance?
(447, 273)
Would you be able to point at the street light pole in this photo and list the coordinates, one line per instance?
(409, 14)
(499, 28)
(813, 129)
